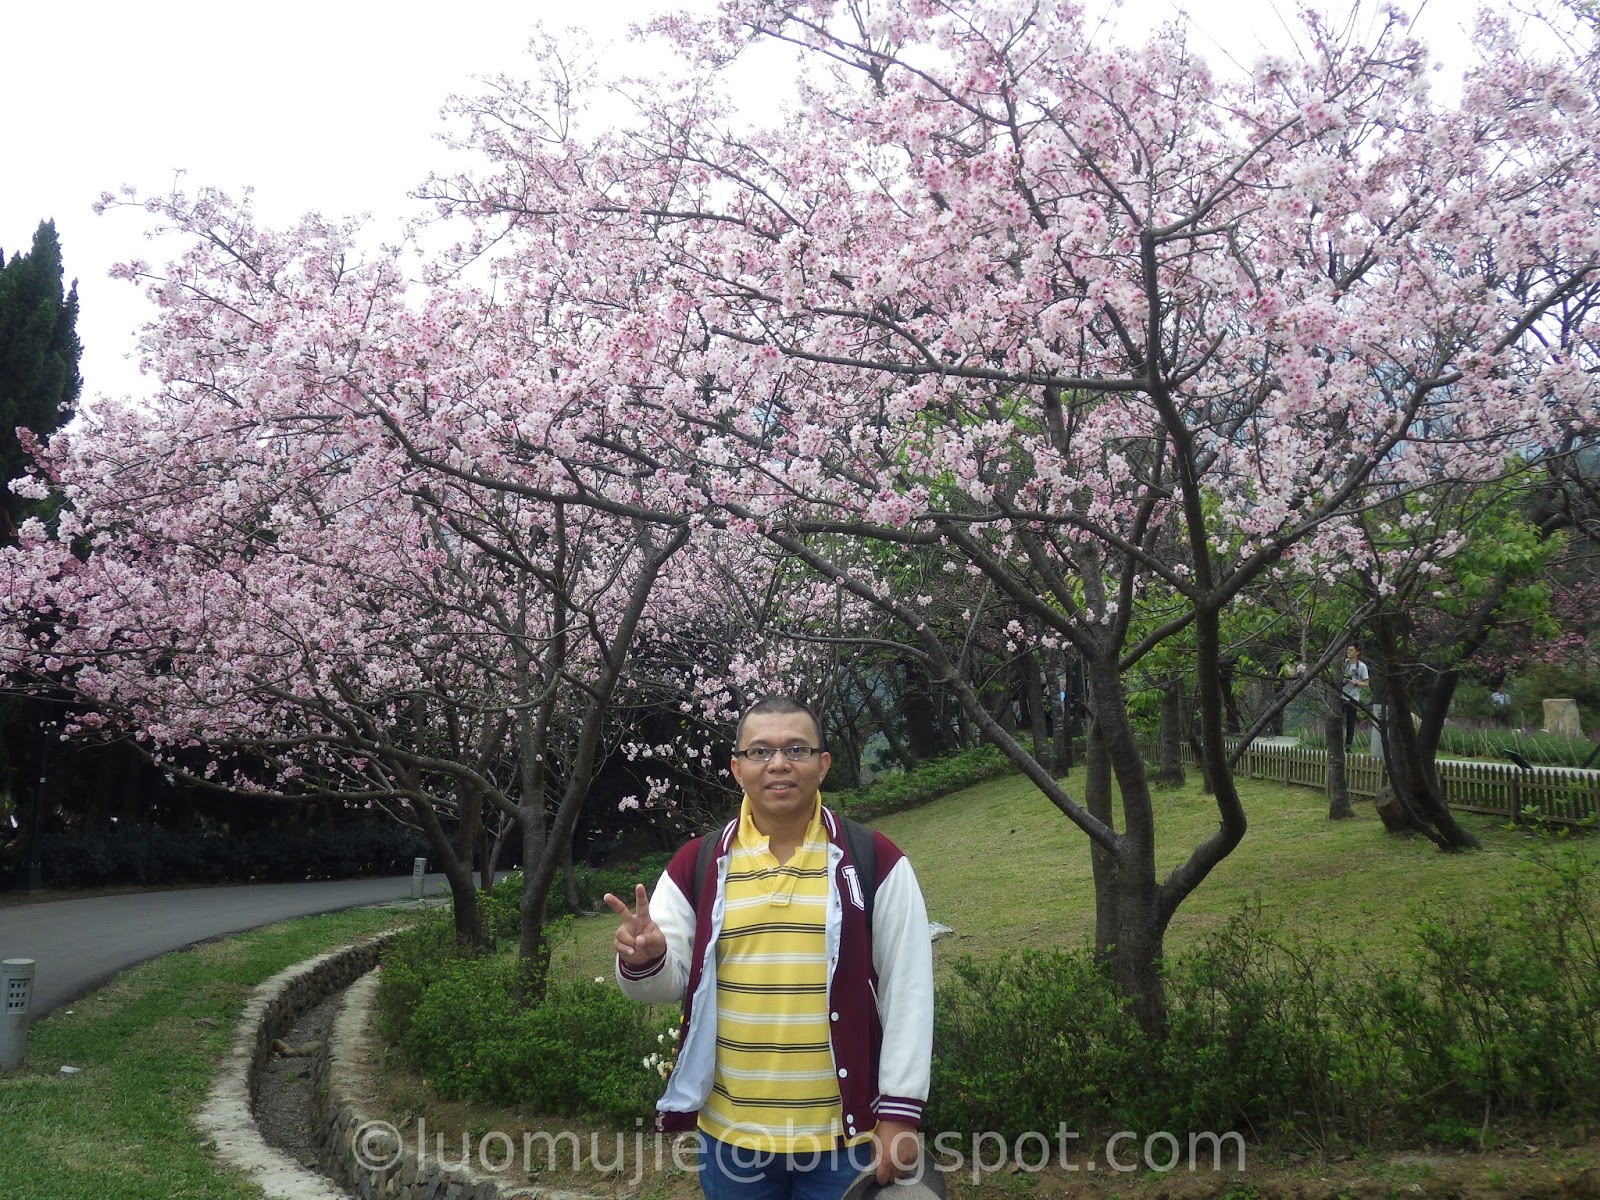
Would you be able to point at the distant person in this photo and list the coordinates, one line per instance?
(807, 983)
(1357, 682)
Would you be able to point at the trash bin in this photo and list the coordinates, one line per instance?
(16, 995)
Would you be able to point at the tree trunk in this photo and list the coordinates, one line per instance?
(463, 889)
(497, 848)
(885, 722)
(1170, 772)
(469, 813)
(1063, 746)
(533, 947)
(1028, 680)
(1207, 787)
(1102, 863)
(916, 703)
(569, 879)
(1138, 919)
(1230, 702)
(965, 730)
(1338, 787)
(1415, 784)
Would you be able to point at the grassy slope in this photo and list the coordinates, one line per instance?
(148, 1043)
(1006, 870)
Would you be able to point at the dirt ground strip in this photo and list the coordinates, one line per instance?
(284, 1105)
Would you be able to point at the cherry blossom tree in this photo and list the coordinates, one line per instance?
(1113, 333)
(256, 564)
(1079, 322)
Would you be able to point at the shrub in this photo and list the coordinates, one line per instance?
(1498, 1018)
(580, 1051)
(1038, 1037)
(1252, 1042)
(1505, 1013)
(410, 962)
(927, 781)
(501, 908)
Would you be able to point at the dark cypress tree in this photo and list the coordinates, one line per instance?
(39, 384)
(39, 352)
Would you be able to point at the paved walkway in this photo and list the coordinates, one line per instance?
(79, 944)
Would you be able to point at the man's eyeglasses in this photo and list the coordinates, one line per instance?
(764, 754)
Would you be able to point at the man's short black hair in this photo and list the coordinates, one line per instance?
(778, 705)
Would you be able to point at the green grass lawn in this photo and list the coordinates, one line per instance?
(1000, 865)
(148, 1044)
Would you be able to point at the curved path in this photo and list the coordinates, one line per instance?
(79, 944)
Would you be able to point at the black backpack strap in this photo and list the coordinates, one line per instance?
(865, 856)
(702, 863)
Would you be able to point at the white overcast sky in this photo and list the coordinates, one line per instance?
(327, 105)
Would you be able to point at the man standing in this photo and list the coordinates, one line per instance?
(808, 1026)
(1356, 678)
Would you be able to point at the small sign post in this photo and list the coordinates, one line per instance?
(419, 868)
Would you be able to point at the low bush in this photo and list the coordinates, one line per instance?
(1029, 1041)
(580, 1051)
(1254, 1042)
(1506, 1010)
(926, 781)
(1497, 1019)
(411, 961)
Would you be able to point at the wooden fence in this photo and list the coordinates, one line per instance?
(1563, 795)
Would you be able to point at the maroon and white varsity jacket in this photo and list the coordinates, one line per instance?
(881, 1010)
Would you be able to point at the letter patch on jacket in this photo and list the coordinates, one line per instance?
(854, 881)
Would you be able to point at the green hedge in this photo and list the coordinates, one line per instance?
(149, 855)
(924, 782)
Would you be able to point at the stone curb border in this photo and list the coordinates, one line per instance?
(357, 1150)
(369, 1155)
(227, 1116)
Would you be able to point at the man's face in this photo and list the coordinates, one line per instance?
(780, 791)
(1351, 654)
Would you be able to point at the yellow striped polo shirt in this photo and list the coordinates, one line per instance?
(774, 1088)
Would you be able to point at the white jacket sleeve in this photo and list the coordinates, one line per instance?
(902, 955)
(664, 981)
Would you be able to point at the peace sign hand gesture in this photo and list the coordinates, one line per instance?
(639, 939)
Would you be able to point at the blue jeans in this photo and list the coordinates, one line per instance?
(734, 1173)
